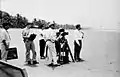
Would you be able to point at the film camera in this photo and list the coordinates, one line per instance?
(62, 33)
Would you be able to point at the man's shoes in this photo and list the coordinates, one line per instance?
(51, 64)
(56, 64)
(42, 57)
(35, 62)
(29, 62)
(79, 60)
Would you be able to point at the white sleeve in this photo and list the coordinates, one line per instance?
(75, 35)
(3, 35)
(41, 32)
(24, 33)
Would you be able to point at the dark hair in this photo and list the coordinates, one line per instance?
(78, 25)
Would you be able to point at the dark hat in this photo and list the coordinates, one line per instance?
(62, 30)
(78, 25)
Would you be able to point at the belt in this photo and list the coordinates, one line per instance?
(50, 40)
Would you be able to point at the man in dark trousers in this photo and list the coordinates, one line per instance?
(42, 44)
(78, 43)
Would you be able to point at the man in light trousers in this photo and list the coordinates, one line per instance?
(50, 43)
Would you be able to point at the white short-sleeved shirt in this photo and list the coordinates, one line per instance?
(0, 37)
(41, 32)
(50, 34)
(78, 35)
(4, 35)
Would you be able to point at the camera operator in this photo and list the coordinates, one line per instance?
(62, 46)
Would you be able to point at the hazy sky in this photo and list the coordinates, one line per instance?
(94, 13)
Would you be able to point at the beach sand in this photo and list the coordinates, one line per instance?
(101, 52)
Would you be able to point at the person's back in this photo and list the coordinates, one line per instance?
(50, 35)
(50, 43)
(4, 41)
(5, 35)
(0, 38)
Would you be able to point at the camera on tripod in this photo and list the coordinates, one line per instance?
(64, 33)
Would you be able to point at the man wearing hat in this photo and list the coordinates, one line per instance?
(29, 44)
(4, 41)
(50, 43)
(78, 43)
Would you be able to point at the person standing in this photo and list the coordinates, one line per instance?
(50, 44)
(29, 44)
(42, 44)
(78, 43)
(4, 41)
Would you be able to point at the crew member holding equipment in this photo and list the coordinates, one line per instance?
(28, 38)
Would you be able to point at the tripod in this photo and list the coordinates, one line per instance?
(64, 53)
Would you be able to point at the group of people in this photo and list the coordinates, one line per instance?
(54, 44)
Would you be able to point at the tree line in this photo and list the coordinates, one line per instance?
(19, 21)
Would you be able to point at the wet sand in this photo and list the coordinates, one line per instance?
(101, 52)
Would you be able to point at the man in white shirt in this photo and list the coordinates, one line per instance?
(78, 43)
(0, 40)
(50, 43)
(29, 44)
(4, 41)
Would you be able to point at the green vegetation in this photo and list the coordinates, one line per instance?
(19, 21)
